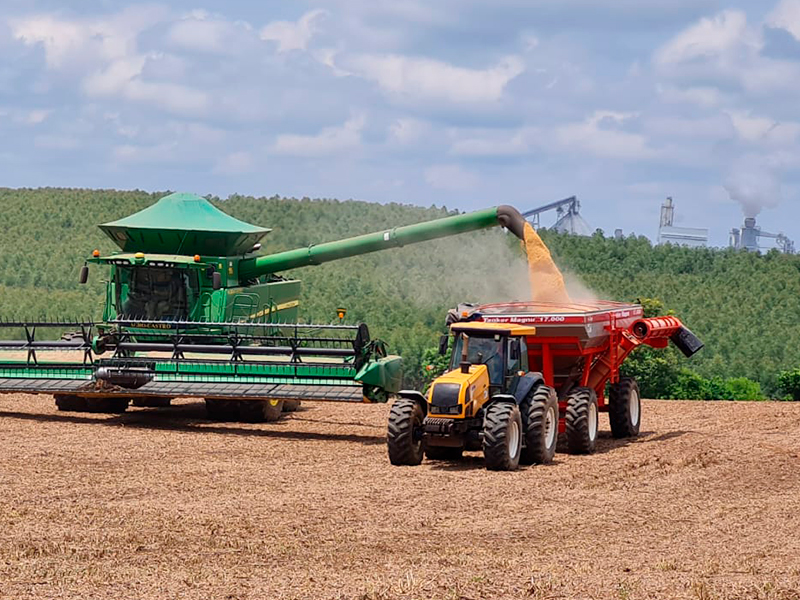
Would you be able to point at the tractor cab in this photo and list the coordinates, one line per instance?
(501, 347)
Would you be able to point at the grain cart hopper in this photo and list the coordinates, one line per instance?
(191, 310)
(522, 373)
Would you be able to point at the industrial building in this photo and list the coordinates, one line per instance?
(693, 237)
(568, 218)
(750, 236)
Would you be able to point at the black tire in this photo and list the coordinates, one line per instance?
(404, 435)
(222, 410)
(107, 405)
(260, 411)
(541, 428)
(68, 402)
(291, 405)
(151, 402)
(581, 421)
(624, 408)
(443, 453)
(502, 436)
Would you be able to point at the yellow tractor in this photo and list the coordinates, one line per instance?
(488, 400)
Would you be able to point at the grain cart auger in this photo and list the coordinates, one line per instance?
(523, 373)
(191, 310)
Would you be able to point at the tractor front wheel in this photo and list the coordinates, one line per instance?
(502, 436)
(581, 421)
(541, 426)
(625, 408)
(404, 433)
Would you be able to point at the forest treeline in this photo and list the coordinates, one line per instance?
(744, 306)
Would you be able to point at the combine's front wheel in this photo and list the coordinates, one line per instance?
(625, 408)
(541, 426)
(291, 405)
(93, 404)
(221, 410)
(404, 435)
(68, 402)
(152, 402)
(502, 437)
(581, 420)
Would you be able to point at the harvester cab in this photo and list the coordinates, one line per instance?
(193, 309)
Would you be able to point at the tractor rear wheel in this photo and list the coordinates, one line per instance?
(541, 426)
(260, 411)
(625, 408)
(291, 405)
(443, 452)
(69, 402)
(581, 420)
(502, 436)
(404, 433)
(111, 405)
(151, 402)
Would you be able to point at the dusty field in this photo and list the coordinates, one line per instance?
(163, 504)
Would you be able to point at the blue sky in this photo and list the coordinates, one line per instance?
(459, 103)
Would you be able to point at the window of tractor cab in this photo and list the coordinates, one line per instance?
(483, 350)
(155, 293)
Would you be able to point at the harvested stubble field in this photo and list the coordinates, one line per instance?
(164, 504)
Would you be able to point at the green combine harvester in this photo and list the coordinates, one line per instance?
(191, 310)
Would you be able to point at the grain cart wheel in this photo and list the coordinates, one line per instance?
(443, 453)
(107, 405)
(68, 402)
(541, 428)
(151, 402)
(404, 434)
(222, 410)
(260, 411)
(624, 408)
(581, 420)
(502, 436)
(291, 405)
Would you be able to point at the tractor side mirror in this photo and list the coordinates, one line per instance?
(84, 277)
(216, 280)
(514, 350)
(443, 344)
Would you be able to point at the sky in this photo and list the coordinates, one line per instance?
(460, 103)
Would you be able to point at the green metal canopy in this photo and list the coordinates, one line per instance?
(183, 224)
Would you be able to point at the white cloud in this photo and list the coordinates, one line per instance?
(407, 130)
(599, 135)
(786, 15)
(429, 79)
(452, 178)
(491, 145)
(330, 140)
(200, 32)
(235, 163)
(705, 97)
(764, 130)
(292, 35)
(710, 37)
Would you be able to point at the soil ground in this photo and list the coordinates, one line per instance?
(161, 503)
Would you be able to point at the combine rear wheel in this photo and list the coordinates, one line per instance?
(107, 405)
(404, 434)
(68, 402)
(581, 421)
(291, 405)
(151, 402)
(502, 436)
(443, 453)
(624, 408)
(260, 411)
(541, 426)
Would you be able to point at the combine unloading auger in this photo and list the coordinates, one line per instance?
(191, 311)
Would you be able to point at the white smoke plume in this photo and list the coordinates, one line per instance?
(754, 188)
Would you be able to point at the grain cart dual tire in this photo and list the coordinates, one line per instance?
(502, 436)
(541, 426)
(581, 421)
(92, 404)
(403, 436)
(624, 408)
